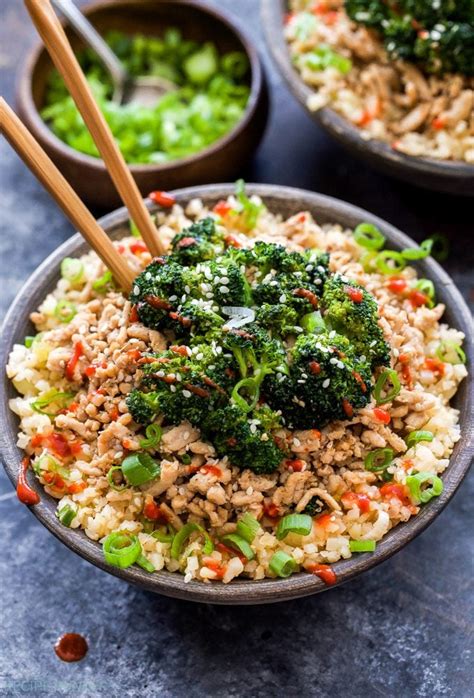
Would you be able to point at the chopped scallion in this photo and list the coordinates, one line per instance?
(66, 515)
(379, 459)
(450, 353)
(140, 468)
(121, 549)
(72, 270)
(282, 564)
(118, 487)
(247, 527)
(28, 342)
(389, 262)
(182, 536)
(252, 387)
(413, 253)
(362, 546)
(103, 284)
(426, 286)
(421, 495)
(53, 399)
(153, 436)
(65, 310)
(416, 436)
(143, 562)
(388, 375)
(369, 236)
(240, 544)
(294, 523)
(163, 535)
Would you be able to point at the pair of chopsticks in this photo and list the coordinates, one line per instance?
(62, 55)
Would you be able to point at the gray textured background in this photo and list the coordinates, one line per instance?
(405, 629)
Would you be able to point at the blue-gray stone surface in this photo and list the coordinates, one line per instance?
(404, 629)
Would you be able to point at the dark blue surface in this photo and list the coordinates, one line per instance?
(405, 629)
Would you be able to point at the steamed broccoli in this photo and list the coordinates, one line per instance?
(280, 319)
(327, 381)
(351, 311)
(227, 283)
(143, 406)
(246, 444)
(254, 351)
(200, 242)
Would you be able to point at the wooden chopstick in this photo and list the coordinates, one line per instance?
(62, 55)
(46, 171)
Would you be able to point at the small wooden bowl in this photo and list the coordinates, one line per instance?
(287, 202)
(454, 177)
(219, 162)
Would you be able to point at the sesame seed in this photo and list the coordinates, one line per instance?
(136, 290)
(333, 361)
(224, 280)
(160, 374)
(200, 356)
(173, 388)
(363, 357)
(332, 334)
(309, 267)
(186, 393)
(282, 298)
(223, 289)
(253, 428)
(340, 364)
(301, 381)
(318, 281)
(209, 295)
(296, 442)
(326, 383)
(173, 298)
(147, 275)
(264, 437)
(249, 491)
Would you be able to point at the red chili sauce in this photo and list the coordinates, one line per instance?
(71, 647)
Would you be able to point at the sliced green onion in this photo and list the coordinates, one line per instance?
(240, 544)
(379, 459)
(382, 259)
(153, 436)
(419, 495)
(140, 468)
(388, 375)
(29, 341)
(102, 284)
(111, 479)
(134, 229)
(426, 286)
(182, 536)
(185, 458)
(282, 564)
(294, 523)
(416, 436)
(121, 549)
(450, 352)
(362, 546)
(66, 514)
(143, 562)
(163, 535)
(72, 270)
(247, 527)
(367, 260)
(313, 322)
(52, 397)
(369, 236)
(413, 253)
(65, 310)
(251, 385)
(439, 246)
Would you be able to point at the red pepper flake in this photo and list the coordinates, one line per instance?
(54, 480)
(184, 321)
(355, 294)
(360, 381)
(72, 363)
(138, 247)
(418, 299)
(406, 372)
(308, 295)
(90, 371)
(158, 303)
(36, 441)
(381, 415)
(407, 464)
(296, 465)
(153, 512)
(360, 500)
(222, 208)
(348, 409)
(214, 565)
(133, 317)
(438, 123)
(324, 572)
(423, 34)
(24, 492)
(435, 365)
(231, 241)
(180, 350)
(301, 218)
(232, 441)
(135, 354)
(314, 368)
(120, 249)
(77, 487)
(200, 392)
(162, 198)
(271, 510)
(323, 520)
(393, 490)
(210, 469)
(114, 413)
(288, 17)
(223, 548)
(397, 285)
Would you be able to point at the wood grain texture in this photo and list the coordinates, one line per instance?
(453, 177)
(48, 174)
(221, 161)
(286, 201)
(59, 48)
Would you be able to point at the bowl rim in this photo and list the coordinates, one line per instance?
(25, 93)
(272, 12)
(239, 591)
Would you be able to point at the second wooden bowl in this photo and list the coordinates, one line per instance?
(219, 162)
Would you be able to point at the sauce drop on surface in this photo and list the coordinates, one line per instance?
(25, 493)
(71, 647)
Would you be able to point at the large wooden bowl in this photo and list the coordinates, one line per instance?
(454, 177)
(220, 162)
(286, 201)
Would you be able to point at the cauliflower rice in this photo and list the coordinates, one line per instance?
(98, 430)
(391, 101)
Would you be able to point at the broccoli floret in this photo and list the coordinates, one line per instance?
(195, 317)
(255, 352)
(327, 381)
(351, 311)
(246, 444)
(200, 242)
(227, 283)
(143, 406)
(279, 319)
